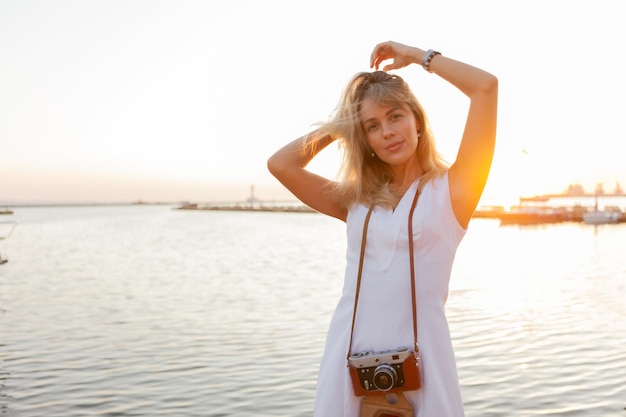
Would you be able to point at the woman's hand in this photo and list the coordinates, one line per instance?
(402, 55)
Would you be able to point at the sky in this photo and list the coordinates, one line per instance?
(176, 100)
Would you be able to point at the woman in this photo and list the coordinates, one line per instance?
(390, 158)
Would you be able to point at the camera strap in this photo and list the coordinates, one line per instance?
(412, 266)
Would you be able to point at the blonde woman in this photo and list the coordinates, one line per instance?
(392, 166)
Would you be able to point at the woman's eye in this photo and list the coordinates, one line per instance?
(396, 116)
(372, 127)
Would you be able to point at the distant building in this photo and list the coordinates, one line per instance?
(575, 190)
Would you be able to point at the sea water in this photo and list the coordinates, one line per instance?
(148, 311)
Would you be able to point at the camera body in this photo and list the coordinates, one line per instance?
(386, 371)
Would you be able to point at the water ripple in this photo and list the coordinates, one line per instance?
(137, 311)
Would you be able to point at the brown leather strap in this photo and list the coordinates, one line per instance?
(358, 280)
(412, 256)
(360, 271)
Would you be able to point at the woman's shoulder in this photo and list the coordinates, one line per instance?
(356, 211)
(438, 202)
(436, 192)
(439, 181)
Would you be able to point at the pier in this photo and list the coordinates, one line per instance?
(257, 207)
(570, 206)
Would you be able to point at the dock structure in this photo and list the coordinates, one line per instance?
(251, 204)
(300, 208)
(538, 210)
(530, 210)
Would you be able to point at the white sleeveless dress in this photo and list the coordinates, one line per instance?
(384, 316)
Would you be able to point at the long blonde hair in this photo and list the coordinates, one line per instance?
(363, 178)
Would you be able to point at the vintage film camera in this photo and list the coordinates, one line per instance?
(387, 371)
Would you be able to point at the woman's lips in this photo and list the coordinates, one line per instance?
(393, 146)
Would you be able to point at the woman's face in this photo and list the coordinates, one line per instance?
(391, 132)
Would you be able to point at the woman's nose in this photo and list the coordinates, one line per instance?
(387, 130)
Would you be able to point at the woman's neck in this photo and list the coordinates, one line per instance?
(404, 178)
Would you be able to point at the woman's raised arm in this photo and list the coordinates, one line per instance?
(468, 174)
(288, 165)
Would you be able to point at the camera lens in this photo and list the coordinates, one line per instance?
(384, 377)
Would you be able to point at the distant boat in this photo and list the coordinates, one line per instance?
(601, 217)
(6, 209)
